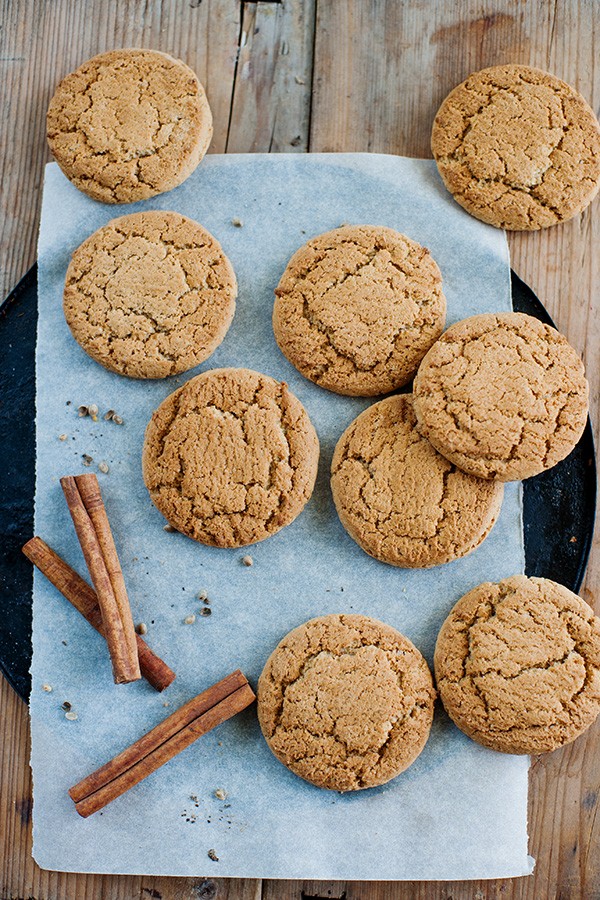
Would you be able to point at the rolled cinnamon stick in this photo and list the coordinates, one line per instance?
(84, 599)
(209, 709)
(84, 500)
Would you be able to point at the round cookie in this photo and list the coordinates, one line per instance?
(346, 702)
(150, 295)
(518, 148)
(357, 308)
(129, 124)
(502, 396)
(230, 457)
(517, 665)
(399, 499)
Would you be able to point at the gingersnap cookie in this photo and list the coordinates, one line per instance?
(230, 457)
(518, 148)
(357, 308)
(517, 665)
(399, 499)
(150, 295)
(346, 702)
(129, 124)
(502, 396)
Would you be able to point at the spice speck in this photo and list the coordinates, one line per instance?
(47, 688)
(248, 561)
(212, 855)
(220, 794)
(141, 628)
(71, 716)
(189, 620)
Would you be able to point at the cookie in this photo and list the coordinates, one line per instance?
(502, 396)
(518, 148)
(517, 665)
(129, 124)
(150, 295)
(230, 457)
(346, 702)
(399, 499)
(357, 309)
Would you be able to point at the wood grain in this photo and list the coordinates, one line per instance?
(324, 75)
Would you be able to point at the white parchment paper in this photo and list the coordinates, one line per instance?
(460, 811)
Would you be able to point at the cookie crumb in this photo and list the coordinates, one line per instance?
(117, 419)
(220, 794)
(103, 467)
(247, 560)
(238, 223)
(141, 628)
(299, 80)
(189, 620)
(206, 611)
(212, 855)
(169, 529)
(573, 540)
(203, 596)
(87, 459)
(47, 687)
(62, 437)
(71, 716)
(66, 705)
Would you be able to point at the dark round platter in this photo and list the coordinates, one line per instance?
(558, 506)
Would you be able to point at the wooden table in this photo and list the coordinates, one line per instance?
(319, 75)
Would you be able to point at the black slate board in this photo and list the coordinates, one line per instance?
(558, 506)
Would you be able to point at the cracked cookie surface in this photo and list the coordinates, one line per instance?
(502, 396)
(150, 295)
(346, 702)
(518, 148)
(129, 124)
(230, 457)
(357, 308)
(399, 499)
(517, 665)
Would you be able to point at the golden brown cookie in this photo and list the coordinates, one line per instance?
(150, 295)
(129, 124)
(399, 499)
(502, 396)
(517, 665)
(346, 702)
(230, 457)
(357, 309)
(518, 148)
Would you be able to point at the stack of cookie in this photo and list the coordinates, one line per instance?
(231, 456)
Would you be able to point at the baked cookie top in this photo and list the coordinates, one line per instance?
(518, 148)
(150, 294)
(230, 457)
(517, 665)
(400, 500)
(502, 396)
(129, 124)
(357, 308)
(346, 702)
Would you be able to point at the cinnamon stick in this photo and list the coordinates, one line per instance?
(85, 504)
(84, 599)
(209, 709)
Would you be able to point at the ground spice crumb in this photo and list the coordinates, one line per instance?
(220, 794)
(238, 223)
(47, 688)
(87, 459)
(71, 716)
(103, 467)
(248, 561)
(206, 611)
(212, 855)
(169, 529)
(62, 437)
(117, 419)
(141, 628)
(66, 705)
(189, 620)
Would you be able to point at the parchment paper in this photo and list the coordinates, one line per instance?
(460, 811)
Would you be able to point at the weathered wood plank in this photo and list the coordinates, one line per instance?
(271, 101)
